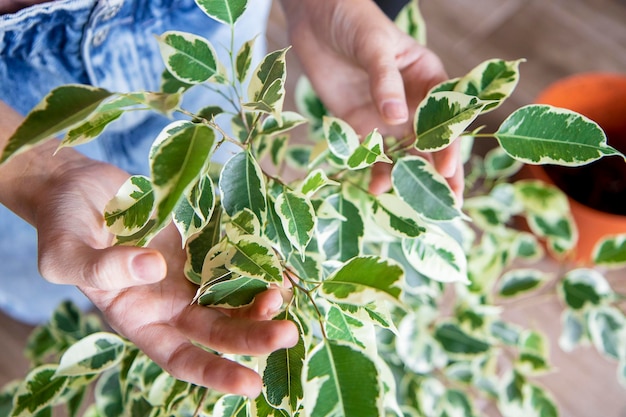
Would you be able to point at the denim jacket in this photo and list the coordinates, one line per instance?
(109, 44)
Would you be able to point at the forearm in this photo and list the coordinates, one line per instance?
(24, 177)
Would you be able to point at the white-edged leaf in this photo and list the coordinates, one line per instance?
(610, 251)
(231, 406)
(499, 164)
(370, 151)
(341, 137)
(363, 280)
(397, 217)
(266, 90)
(194, 210)
(188, 57)
(442, 117)
(242, 186)
(90, 128)
(63, 108)
(340, 228)
(417, 183)
(607, 330)
(225, 11)
(255, 258)
(573, 330)
(314, 181)
(199, 245)
(40, 389)
(542, 134)
(129, 211)
(519, 281)
(411, 22)
(417, 348)
(343, 326)
(584, 286)
(233, 293)
(287, 121)
(92, 354)
(297, 216)
(243, 59)
(457, 341)
(281, 372)
(341, 381)
(437, 256)
(243, 223)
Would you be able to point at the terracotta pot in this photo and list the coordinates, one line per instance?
(602, 98)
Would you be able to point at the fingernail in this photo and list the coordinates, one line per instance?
(395, 111)
(147, 267)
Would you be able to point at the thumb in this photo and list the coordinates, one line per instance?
(110, 268)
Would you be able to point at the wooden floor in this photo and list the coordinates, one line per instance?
(557, 38)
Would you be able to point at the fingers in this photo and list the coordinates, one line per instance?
(266, 305)
(111, 268)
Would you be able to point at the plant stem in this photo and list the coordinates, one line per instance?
(201, 402)
(310, 297)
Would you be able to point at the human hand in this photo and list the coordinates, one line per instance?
(142, 292)
(368, 72)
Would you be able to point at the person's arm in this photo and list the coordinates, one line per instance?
(367, 71)
(141, 291)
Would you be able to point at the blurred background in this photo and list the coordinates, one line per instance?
(557, 38)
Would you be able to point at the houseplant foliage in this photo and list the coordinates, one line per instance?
(368, 274)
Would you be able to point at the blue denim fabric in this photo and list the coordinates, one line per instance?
(110, 44)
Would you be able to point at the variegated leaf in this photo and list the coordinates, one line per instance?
(397, 217)
(171, 84)
(499, 164)
(611, 251)
(533, 352)
(92, 354)
(411, 22)
(129, 211)
(255, 258)
(63, 108)
(243, 59)
(341, 137)
(188, 57)
(309, 104)
(518, 281)
(243, 223)
(214, 266)
(233, 293)
(340, 236)
(242, 185)
(261, 408)
(176, 162)
(194, 210)
(231, 406)
(583, 286)
(166, 390)
(363, 280)
(542, 134)
(344, 327)
(225, 11)
(442, 117)
(438, 256)
(282, 373)
(298, 218)
(457, 341)
(90, 128)
(199, 245)
(39, 390)
(314, 181)
(607, 330)
(573, 330)
(368, 152)
(341, 381)
(287, 121)
(417, 183)
(267, 84)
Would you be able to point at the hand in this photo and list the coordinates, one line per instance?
(142, 292)
(368, 72)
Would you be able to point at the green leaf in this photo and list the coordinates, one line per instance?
(342, 139)
(282, 373)
(519, 281)
(171, 84)
(342, 326)
(91, 355)
(255, 258)
(309, 104)
(225, 11)
(297, 216)
(243, 59)
(267, 84)
(261, 408)
(188, 57)
(370, 151)
(340, 237)
(411, 22)
(493, 80)
(455, 340)
(243, 223)
(364, 280)
(63, 108)
(40, 389)
(193, 211)
(442, 117)
(166, 390)
(417, 183)
(541, 134)
(438, 256)
(607, 329)
(341, 381)
(234, 293)
(199, 245)
(397, 217)
(314, 181)
(242, 186)
(129, 211)
(90, 128)
(498, 164)
(455, 403)
(611, 251)
(417, 348)
(176, 162)
(533, 352)
(584, 286)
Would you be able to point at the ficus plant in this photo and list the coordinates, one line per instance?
(396, 296)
